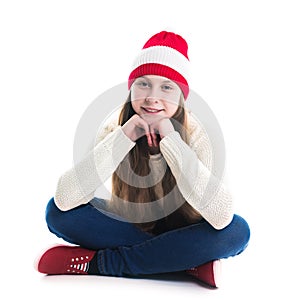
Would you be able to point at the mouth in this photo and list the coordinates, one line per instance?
(150, 110)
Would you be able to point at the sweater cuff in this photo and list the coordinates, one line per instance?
(117, 146)
(191, 175)
(118, 143)
(173, 149)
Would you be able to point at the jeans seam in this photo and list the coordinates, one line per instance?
(101, 262)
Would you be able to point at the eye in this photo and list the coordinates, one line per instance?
(167, 87)
(142, 84)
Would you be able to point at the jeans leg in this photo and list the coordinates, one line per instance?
(176, 250)
(88, 227)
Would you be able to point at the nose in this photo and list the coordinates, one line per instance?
(151, 99)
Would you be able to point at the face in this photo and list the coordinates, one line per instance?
(155, 96)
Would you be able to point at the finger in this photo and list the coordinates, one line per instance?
(143, 126)
(147, 132)
(154, 139)
(149, 139)
(153, 136)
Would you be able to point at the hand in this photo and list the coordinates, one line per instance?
(137, 127)
(163, 127)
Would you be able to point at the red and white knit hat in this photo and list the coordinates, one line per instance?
(164, 54)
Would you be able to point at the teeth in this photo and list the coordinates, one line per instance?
(152, 110)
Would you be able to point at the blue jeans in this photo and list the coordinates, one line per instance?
(125, 250)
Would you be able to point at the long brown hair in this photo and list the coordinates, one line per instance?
(139, 163)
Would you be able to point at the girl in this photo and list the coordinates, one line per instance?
(168, 211)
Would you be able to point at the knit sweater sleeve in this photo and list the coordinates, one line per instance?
(191, 167)
(77, 185)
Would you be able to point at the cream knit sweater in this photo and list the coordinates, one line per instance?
(190, 164)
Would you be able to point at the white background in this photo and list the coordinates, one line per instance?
(58, 56)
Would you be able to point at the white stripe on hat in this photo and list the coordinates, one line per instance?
(165, 56)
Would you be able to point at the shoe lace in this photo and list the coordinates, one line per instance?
(77, 265)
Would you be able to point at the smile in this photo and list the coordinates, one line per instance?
(151, 110)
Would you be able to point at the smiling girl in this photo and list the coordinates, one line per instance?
(160, 218)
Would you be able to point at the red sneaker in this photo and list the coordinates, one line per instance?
(64, 260)
(208, 273)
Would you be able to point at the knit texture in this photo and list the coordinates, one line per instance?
(164, 54)
(77, 186)
(190, 164)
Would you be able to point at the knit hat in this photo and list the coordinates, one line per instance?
(164, 54)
